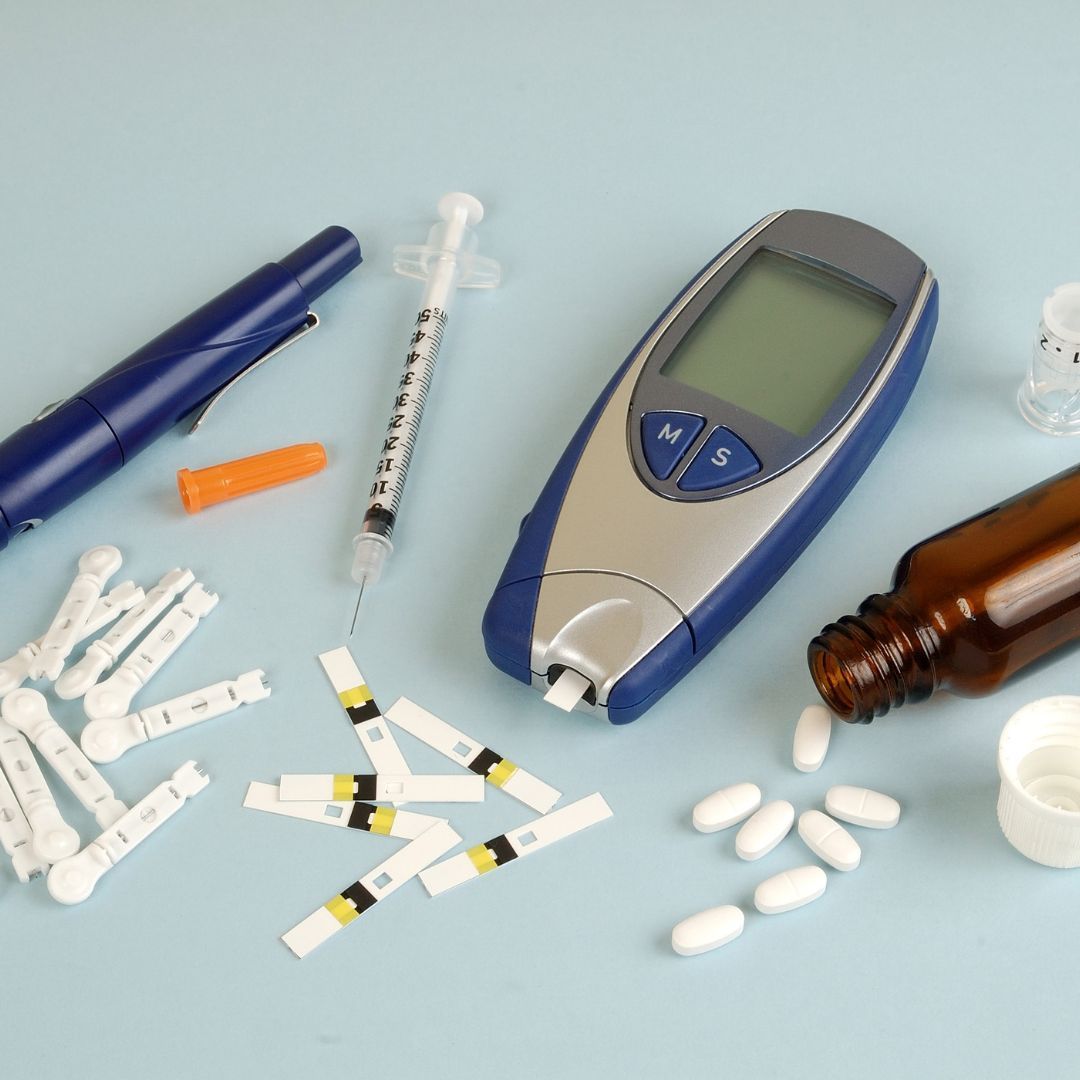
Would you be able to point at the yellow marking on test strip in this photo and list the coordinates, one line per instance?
(481, 859)
(344, 787)
(382, 821)
(358, 695)
(501, 773)
(341, 909)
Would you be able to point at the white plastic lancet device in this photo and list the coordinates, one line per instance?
(16, 670)
(53, 837)
(106, 739)
(16, 836)
(104, 652)
(113, 697)
(447, 262)
(95, 568)
(28, 712)
(72, 880)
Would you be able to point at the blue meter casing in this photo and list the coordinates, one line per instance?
(711, 459)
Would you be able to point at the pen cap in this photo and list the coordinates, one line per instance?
(323, 260)
(218, 483)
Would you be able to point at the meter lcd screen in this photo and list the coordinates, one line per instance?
(781, 340)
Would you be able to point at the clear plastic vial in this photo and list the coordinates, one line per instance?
(1049, 397)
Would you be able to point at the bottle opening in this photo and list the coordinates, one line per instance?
(864, 665)
(833, 682)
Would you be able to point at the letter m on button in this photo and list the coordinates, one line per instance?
(665, 438)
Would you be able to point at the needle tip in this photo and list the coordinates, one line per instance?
(352, 629)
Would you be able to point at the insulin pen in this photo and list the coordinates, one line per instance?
(74, 445)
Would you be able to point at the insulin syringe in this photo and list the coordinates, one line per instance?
(448, 261)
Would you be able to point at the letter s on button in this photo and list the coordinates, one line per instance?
(721, 456)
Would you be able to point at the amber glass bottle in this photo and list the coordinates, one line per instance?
(968, 608)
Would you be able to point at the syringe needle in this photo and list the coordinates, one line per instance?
(352, 629)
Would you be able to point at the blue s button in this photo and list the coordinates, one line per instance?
(665, 437)
(723, 459)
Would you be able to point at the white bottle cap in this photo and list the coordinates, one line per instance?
(1039, 763)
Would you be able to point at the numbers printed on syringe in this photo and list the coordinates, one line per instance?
(413, 390)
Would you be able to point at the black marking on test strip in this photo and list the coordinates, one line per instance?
(365, 786)
(360, 897)
(361, 816)
(500, 849)
(367, 711)
(484, 762)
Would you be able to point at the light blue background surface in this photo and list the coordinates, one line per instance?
(153, 156)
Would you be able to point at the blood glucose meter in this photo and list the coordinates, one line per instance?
(713, 456)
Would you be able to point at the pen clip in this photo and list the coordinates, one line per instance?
(49, 410)
(305, 327)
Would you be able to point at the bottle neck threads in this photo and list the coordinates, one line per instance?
(865, 664)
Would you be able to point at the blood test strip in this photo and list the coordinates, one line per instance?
(367, 787)
(382, 820)
(371, 728)
(518, 842)
(459, 747)
(374, 886)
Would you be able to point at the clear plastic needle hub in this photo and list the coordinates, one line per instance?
(447, 262)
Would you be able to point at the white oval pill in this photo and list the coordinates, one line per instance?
(812, 738)
(830, 842)
(861, 806)
(726, 807)
(707, 930)
(789, 890)
(764, 830)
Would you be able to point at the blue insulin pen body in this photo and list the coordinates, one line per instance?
(713, 456)
(76, 444)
